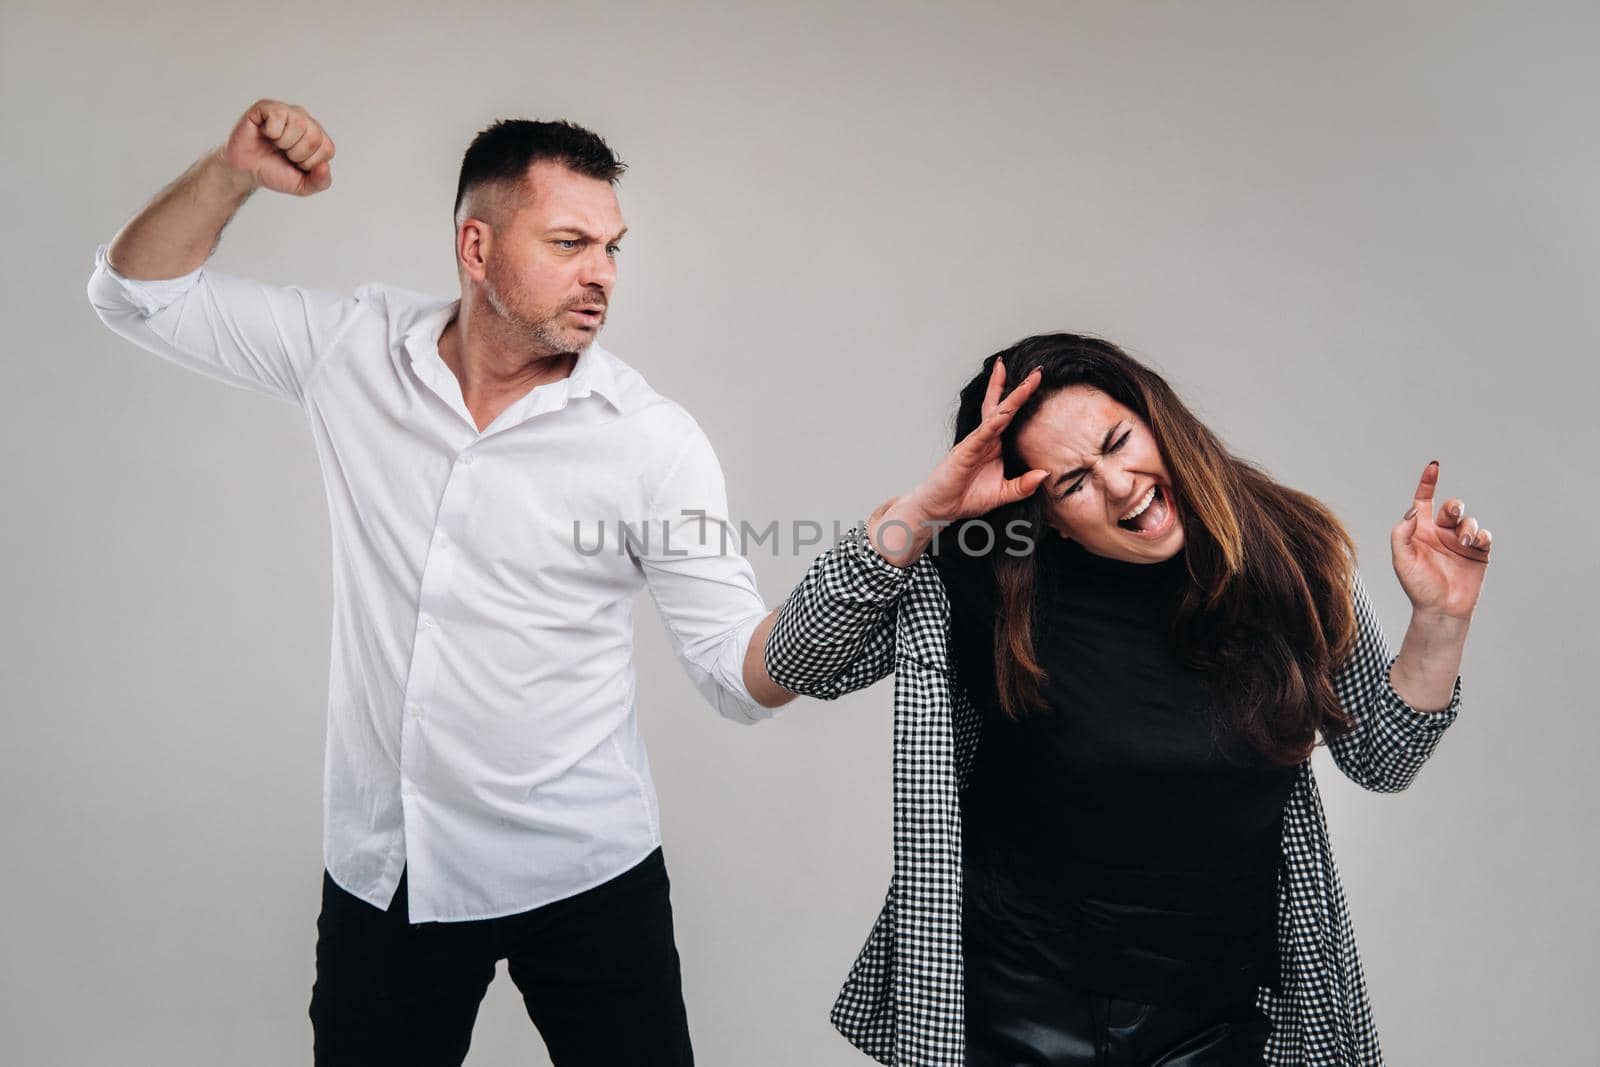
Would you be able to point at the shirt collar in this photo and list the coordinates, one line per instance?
(596, 371)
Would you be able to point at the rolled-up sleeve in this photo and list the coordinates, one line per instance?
(1390, 740)
(703, 587)
(268, 339)
(836, 631)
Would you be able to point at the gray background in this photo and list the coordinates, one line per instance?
(1356, 237)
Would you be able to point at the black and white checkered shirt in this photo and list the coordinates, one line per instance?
(855, 618)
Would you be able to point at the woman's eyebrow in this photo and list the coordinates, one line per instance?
(1105, 446)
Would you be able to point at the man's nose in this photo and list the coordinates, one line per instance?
(599, 269)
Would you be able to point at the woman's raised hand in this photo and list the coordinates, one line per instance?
(1440, 558)
(970, 480)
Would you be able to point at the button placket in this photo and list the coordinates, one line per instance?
(433, 598)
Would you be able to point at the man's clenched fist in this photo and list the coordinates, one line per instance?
(282, 147)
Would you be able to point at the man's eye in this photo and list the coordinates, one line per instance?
(566, 243)
(612, 250)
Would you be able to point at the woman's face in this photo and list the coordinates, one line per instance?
(1108, 488)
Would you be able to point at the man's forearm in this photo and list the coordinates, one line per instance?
(768, 694)
(178, 230)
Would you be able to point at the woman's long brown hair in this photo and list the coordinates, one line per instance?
(1268, 615)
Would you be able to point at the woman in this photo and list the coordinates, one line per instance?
(1109, 846)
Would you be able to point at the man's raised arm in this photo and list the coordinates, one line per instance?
(150, 287)
(273, 144)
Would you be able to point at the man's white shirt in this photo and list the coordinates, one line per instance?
(481, 724)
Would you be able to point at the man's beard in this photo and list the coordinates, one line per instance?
(545, 334)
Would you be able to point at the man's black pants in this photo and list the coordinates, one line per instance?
(598, 973)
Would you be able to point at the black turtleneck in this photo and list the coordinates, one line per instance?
(1123, 837)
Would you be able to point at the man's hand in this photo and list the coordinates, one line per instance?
(274, 145)
(282, 148)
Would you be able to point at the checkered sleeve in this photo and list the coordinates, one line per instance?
(835, 632)
(1391, 740)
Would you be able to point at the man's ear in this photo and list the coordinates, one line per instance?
(473, 239)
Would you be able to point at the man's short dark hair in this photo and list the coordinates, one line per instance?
(506, 150)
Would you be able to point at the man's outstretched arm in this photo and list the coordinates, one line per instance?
(152, 285)
(273, 144)
(767, 693)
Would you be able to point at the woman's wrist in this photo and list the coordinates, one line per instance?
(1438, 630)
(1425, 671)
(900, 530)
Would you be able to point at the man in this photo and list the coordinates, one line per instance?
(487, 793)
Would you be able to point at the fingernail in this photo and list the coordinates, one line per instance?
(1433, 463)
(1455, 509)
(1466, 542)
(1412, 512)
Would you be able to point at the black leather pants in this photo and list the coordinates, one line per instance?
(1017, 1019)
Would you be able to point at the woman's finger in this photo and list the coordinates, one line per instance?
(1022, 487)
(1000, 417)
(1025, 388)
(974, 452)
(1466, 539)
(1450, 515)
(1404, 531)
(997, 397)
(1013, 400)
(997, 387)
(1477, 555)
(1423, 497)
(988, 430)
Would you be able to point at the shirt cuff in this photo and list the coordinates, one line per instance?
(1419, 721)
(872, 577)
(752, 708)
(107, 287)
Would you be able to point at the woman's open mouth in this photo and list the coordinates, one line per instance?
(1152, 516)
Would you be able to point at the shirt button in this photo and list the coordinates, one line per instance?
(466, 459)
(426, 622)
(408, 789)
(414, 711)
